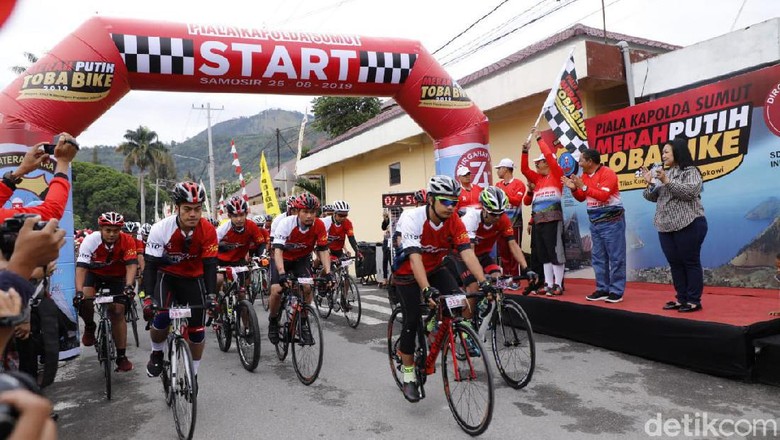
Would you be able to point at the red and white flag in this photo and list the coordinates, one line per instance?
(237, 164)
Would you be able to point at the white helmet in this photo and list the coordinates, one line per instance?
(340, 206)
(441, 185)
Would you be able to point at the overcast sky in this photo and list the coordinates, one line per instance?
(38, 25)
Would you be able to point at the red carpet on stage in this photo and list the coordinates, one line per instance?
(718, 340)
(725, 305)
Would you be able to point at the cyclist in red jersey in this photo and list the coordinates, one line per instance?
(107, 258)
(133, 229)
(235, 239)
(486, 228)
(181, 265)
(295, 238)
(428, 233)
(340, 229)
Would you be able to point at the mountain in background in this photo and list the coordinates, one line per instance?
(769, 208)
(251, 135)
(761, 251)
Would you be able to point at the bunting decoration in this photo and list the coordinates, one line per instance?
(237, 164)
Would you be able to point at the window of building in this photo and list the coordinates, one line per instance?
(395, 173)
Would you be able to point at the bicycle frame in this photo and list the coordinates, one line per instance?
(445, 335)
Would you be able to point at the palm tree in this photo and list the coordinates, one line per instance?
(311, 186)
(142, 150)
(31, 58)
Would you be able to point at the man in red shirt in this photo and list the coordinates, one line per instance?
(235, 239)
(340, 229)
(107, 258)
(295, 238)
(181, 267)
(469, 193)
(428, 233)
(515, 191)
(599, 186)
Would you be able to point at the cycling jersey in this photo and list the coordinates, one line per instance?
(548, 190)
(420, 235)
(299, 242)
(484, 236)
(107, 260)
(180, 255)
(140, 246)
(469, 198)
(276, 222)
(234, 245)
(337, 233)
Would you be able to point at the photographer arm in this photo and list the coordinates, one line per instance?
(34, 415)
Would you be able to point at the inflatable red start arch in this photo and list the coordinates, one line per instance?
(102, 60)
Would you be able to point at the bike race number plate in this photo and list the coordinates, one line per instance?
(104, 299)
(180, 312)
(455, 301)
(305, 280)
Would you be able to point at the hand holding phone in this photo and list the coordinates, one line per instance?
(49, 148)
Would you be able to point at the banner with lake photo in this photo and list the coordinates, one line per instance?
(733, 127)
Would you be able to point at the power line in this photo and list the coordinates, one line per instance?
(469, 28)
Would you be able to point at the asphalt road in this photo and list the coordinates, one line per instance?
(577, 392)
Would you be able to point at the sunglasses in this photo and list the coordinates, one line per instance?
(187, 244)
(447, 201)
(110, 256)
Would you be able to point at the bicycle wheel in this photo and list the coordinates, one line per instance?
(247, 335)
(513, 345)
(105, 354)
(323, 301)
(307, 355)
(351, 302)
(284, 335)
(131, 316)
(468, 384)
(223, 327)
(165, 376)
(254, 285)
(184, 390)
(265, 285)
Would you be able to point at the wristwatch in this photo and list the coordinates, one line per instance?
(10, 181)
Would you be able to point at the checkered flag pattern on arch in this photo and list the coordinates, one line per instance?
(560, 115)
(164, 55)
(385, 67)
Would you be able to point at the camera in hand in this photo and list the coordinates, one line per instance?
(9, 231)
(49, 148)
(11, 381)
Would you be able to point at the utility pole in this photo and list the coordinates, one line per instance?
(212, 188)
(278, 145)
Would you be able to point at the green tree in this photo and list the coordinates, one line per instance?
(335, 115)
(312, 186)
(142, 150)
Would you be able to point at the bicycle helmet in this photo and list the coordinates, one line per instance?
(237, 205)
(145, 229)
(259, 220)
(493, 200)
(327, 208)
(111, 218)
(131, 227)
(306, 201)
(443, 186)
(340, 206)
(290, 204)
(420, 196)
(188, 192)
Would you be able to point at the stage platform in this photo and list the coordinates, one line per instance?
(716, 340)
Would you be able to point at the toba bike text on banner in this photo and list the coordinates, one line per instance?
(733, 132)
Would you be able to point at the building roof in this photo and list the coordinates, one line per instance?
(390, 108)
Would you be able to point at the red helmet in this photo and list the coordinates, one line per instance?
(420, 196)
(307, 201)
(188, 192)
(111, 219)
(237, 205)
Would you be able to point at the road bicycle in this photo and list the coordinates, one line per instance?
(344, 297)
(466, 374)
(511, 336)
(104, 345)
(260, 280)
(299, 327)
(131, 314)
(180, 384)
(237, 318)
